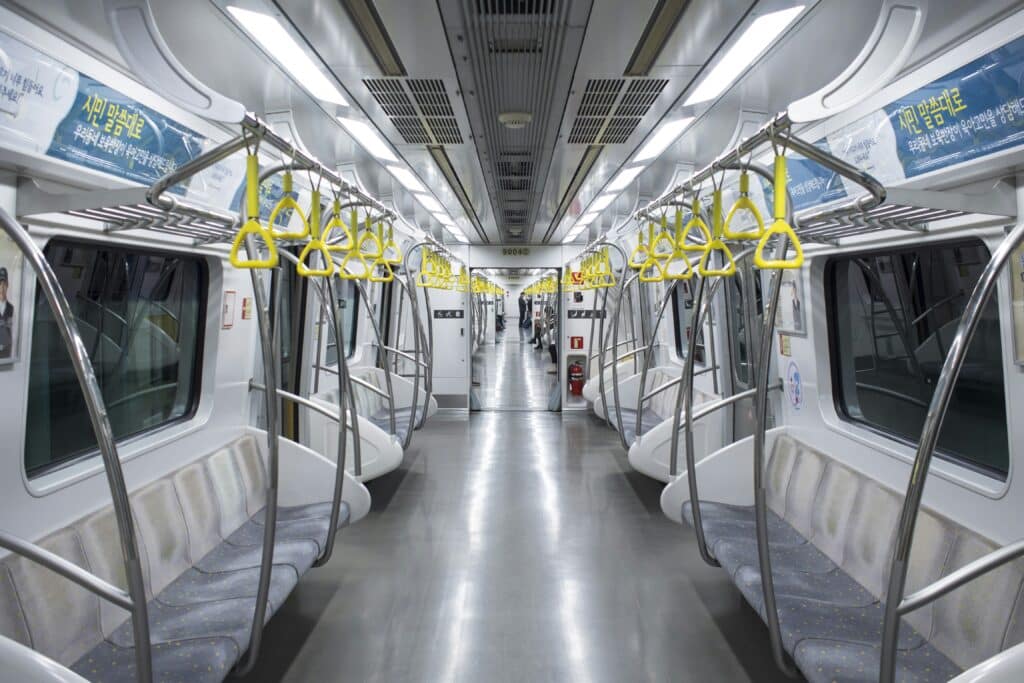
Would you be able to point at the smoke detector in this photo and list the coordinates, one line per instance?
(515, 120)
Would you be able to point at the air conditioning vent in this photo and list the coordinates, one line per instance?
(419, 108)
(610, 110)
(515, 7)
(514, 46)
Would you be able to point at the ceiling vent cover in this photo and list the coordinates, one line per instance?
(419, 108)
(610, 110)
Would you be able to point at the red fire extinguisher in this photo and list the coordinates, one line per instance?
(576, 378)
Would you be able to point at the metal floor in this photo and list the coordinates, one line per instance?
(515, 546)
(512, 374)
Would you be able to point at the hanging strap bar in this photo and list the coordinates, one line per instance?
(100, 422)
(944, 386)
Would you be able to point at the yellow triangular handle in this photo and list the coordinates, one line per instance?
(664, 245)
(365, 266)
(639, 257)
(252, 225)
(653, 271)
(780, 226)
(368, 243)
(315, 244)
(685, 274)
(391, 247)
(744, 203)
(695, 222)
(716, 244)
(338, 223)
(287, 202)
(383, 266)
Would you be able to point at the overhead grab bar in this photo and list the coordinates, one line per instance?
(955, 357)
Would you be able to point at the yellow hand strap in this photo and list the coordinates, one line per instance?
(653, 271)
(392, 254)
(695, 222)
(381, 271)
(639, 257)
(716, 244)
(664, 245)
(315, 244)
(252, 225)
(780, 227)
(744, 203)
(337, 223)
(287, 202)
(363, 270)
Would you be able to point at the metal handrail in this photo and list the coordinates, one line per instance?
(69, 570)
(648, 354)
(601, 334)
(626, 355)
(367, 385)
(403, 354)
(955, 357)
(270, 339)
(618, 344)
(304, 402)
(965, 574)
(626, 282)
(426, 338)
(382, 358)
(100, 422)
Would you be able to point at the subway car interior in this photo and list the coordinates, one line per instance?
(511, 340)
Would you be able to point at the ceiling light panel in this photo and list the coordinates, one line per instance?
(430, 204)
(368, 139)
(407, 178)
(279, 44)
(625, 177)
(666, 134)
(744, 51)
(602, 202)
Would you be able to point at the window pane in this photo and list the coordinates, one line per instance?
(140, 315)
(738, 325)
(893, 316)
(683, 302)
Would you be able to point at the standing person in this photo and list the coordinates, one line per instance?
(6, 319)
(522, 308)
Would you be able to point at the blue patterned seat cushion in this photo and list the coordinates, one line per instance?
(200, 623)
(830, 661)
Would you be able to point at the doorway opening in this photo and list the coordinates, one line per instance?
(516, 359)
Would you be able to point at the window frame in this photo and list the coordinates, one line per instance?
(352, 333)
(834, 371)
(195, 396)
(682, 342)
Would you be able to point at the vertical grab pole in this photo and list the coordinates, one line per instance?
(618, 309)
(649, 352)
(382, 356)
(930, 432)
(599, 341)
(100, 421)
(615, 365)
(269, 336)
(344, 386)
(760, 427)
(428, 336)
(414, 408)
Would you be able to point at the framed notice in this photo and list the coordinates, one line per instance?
(227, 315)
(1017, 299)
(11, 285)
(789, 318)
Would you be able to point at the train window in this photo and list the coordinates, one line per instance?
(892, 317)
(141, 316)
(682, 302)
(347, 296)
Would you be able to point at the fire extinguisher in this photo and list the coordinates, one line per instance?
(576, 378)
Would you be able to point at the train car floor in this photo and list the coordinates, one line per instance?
(515, 546)
(512, 373)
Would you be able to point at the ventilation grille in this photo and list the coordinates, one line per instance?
(515, 7)
(610, 110)
(419, 109)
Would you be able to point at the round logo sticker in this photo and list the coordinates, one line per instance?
(794, 385)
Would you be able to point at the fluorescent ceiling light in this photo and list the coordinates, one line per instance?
(430, 204)
(406, 177)
(625, 177)
(456, 233)
(744, 51)
(666, 135)
(273, 38)
(444, 219)
(586, 219)
(368, 138)
(602, 202)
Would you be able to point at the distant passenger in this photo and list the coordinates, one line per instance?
(522, 309)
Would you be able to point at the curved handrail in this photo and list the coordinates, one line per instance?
(955, 357)
(426, 332)
(965, 574)
(381, 353)
(601, 332)
(100, 422)
(416, 333)
(626, 282)
(648, 352)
